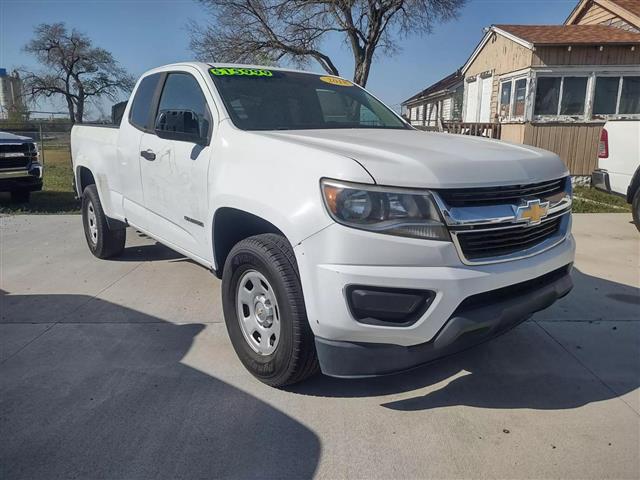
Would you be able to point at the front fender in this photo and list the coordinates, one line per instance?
(276, 180)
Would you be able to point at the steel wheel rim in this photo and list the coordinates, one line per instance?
(92, 223)
(258, 313)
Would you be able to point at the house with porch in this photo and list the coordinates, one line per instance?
(441, 101)
(554, 86)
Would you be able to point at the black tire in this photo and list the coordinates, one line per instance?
(635, 208)
(294, 358)
(102, 241)
(20, 196)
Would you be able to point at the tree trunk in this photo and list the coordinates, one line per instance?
(363, 67)
(361, 73)
(80, 110)
(70, 106)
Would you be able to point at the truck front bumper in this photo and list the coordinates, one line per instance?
(464, 304)
(25, 179)
(477, 319)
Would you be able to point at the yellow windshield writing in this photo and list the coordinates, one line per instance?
(337, 81)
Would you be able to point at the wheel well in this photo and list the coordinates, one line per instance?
(633, 186)
(85, 178)
(230, 226)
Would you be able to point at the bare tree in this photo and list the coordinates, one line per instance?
(73, 69)
(271, 30)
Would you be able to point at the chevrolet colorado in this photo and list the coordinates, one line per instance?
(345, 239)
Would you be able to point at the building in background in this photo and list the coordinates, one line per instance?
(439, 102)
(623, 14)
(554, 86)
(11, 95)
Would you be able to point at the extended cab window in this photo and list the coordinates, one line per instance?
(183, 107)
(277, 100)
(140, 115)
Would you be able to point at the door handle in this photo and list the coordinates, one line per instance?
(148, 155)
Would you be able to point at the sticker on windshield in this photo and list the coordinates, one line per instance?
(250, 72)
(337, 81)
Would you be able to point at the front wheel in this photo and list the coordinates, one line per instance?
(264, 311)
(102, 241)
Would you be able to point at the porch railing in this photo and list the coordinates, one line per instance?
(489, 130)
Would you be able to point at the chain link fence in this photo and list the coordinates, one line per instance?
(49, 135)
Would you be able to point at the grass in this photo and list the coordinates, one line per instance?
(590, 200)
(57, 195)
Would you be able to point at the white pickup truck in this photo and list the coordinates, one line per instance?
(345, 239)
(619, 163)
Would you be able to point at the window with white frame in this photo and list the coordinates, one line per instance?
(504, 111)
(520, 97)
(616, 95)
(561, 96)
(513, 95)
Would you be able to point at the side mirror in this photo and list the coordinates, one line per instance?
(182, 125)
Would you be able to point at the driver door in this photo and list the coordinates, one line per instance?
(174, 164)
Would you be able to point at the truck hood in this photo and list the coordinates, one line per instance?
(411, 158)
(6, 137)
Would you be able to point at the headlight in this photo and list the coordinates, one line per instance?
(394, 211)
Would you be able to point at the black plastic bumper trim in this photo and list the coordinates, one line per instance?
(397, 307)
(600, 180)
(477, 319)
(30, 183)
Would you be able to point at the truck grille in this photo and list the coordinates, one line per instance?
(479, 244)
(468, 197)
(27, 152)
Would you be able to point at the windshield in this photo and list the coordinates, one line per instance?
(259, 99)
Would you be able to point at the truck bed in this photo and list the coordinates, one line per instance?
(93, 142)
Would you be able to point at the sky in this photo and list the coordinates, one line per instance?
(143, 34)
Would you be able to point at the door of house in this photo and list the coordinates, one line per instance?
(471, 110)
(478, 101)
(485, 99)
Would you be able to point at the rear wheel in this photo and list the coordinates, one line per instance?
(635, 207)
(264, 311)
(102, 241)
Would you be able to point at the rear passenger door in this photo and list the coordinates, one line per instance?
(126, 181)
(174, 161)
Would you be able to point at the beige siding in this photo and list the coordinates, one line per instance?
(598, 15)
(512, 132)
(500, 55)
(595, 15)
(575, 144)
(610, 55)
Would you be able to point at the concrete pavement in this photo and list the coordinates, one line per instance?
(122, 369)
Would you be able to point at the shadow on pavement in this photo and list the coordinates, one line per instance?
(147, 253)
(150, 252)
(115, 401)
(526, 367)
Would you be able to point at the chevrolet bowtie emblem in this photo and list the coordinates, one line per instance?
(533, 212)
